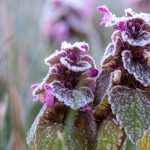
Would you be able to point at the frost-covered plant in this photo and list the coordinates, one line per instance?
(65, 19)
(125, 75)
(69, 86)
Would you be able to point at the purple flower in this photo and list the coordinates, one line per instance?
(93, 73)
(45, 97)
(49, 98)
(108, 16)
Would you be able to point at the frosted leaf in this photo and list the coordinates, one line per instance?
(104, 82)
(144, 143)
(52, 77)
(142, 39)
(89, 59)
(109, 136)
(132, 109)
(54, 58)
(32, 131)
(84, 47)
(74, 98)
(140, 71)
(51, 137)
(115, 34)
(87, 82)
(117, 46)
(76, 67)
(108, 55)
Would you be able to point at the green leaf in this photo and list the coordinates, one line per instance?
(32, 131)
(46, 135)
(144, 143)
(132, 109)
(109, 136)
(52, 138)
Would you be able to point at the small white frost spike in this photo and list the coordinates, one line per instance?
(81, 45)
(80, 66)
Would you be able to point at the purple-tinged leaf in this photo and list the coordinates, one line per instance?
(142, 39)
(132, 109)
(116, 34)
(76, 67)
(54, 58)
(74, 98)
(140, 71)
(104, 83)
(89, 59)
(108, 55)
(82, 46)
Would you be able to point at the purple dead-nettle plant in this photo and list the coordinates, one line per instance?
(71, 77)
(125, 75)
(65, 19)
(69, 85)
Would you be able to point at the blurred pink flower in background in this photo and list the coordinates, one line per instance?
(63, 19)
(141, 5)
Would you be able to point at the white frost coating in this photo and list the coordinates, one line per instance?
(140, 71)
(79, 45)
(56, 54)
(73, 98)
(32, 131)
(142, 39)
(91, 59)
(83, 65)
(132, 108)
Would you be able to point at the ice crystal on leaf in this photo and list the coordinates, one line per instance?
(71, 77)
(132, 108)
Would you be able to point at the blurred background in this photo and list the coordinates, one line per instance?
(29, 32)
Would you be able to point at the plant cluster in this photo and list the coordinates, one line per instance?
(90, 108)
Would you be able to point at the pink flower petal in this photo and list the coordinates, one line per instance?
(122, 25)
(93, 73)
(85, 46)
(108, 17)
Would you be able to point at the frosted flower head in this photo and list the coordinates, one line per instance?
(71, 77)
(62, 19)
(129, 49)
